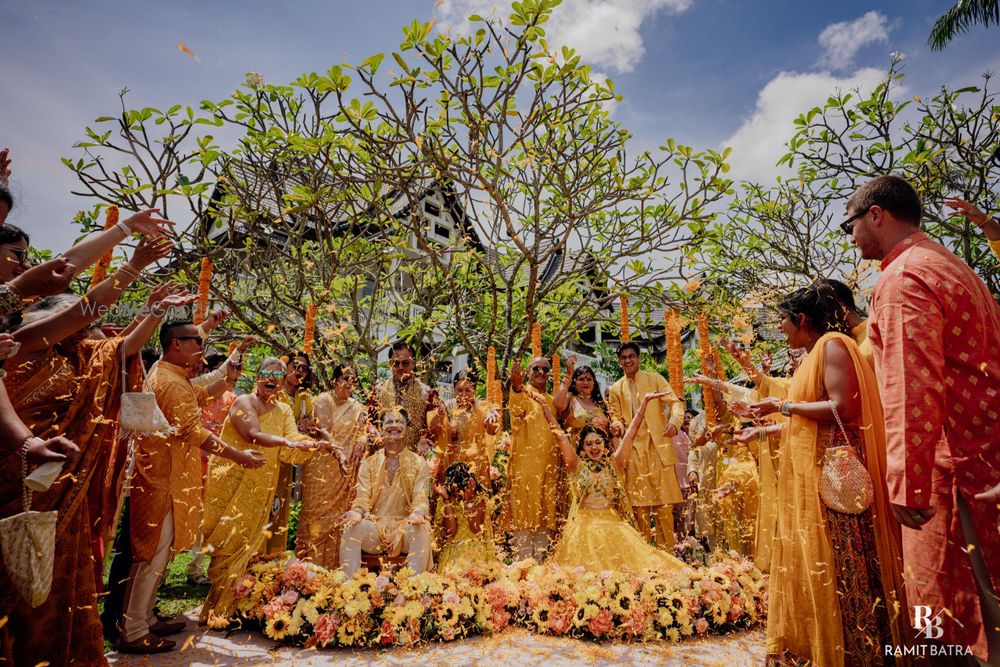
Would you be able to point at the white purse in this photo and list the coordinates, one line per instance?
(139, 412)
(28, 544)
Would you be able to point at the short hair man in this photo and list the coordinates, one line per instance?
(935, 329)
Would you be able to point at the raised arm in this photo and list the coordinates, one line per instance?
(624, 450)
(569, 455)
(91, 249)
(562, 398)
(45, 333)
(161, 299)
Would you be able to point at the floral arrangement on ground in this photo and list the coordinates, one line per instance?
(299, 603)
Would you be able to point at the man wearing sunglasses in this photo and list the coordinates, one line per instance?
(935, 329)
(533, 468)
(428, 419)
(165, 494)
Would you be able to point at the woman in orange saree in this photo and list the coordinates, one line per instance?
(71, 389)
(836, 588)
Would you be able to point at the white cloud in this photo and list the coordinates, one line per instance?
(842, 41)
(760, 141)
(604, 33)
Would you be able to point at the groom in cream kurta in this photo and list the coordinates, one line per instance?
(650, 479)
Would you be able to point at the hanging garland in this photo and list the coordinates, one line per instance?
(101, 268)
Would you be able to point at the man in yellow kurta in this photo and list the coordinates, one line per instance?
(391, 512)
(533, 467)
(650, 478)
(165, 493)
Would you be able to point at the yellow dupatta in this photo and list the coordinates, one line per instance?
(804, 613)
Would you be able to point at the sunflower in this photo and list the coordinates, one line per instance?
(541, 614)
(350, 634)
(278, 627)
(447, 614)
(621, 605)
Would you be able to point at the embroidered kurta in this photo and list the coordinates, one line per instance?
(237, 505)
(414, 397)
(936, 333)
(650, 477)
(391, 503)
(327, 489)
(168, 465)
(533, 468)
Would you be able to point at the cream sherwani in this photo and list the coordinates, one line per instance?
(649, 478)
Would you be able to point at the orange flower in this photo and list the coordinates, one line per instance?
(310, 333)
(204, 283)
(675, 352)
(692, 286)
(536, 340)
(555, 371)
(491, 373)
(707, 353)
(623, 304)
(101, 268)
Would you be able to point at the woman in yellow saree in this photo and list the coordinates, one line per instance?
(836, 591)
(599, 534)
(237, 499)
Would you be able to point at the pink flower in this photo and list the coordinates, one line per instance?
(290, 597)
(295, 574)
(636, 623)
(701, 625)
(560, 623)
(601, 624)
(325, 629)
(381, 582)
(242, 587)
(447, 633)
(387, 635)
(499, 620)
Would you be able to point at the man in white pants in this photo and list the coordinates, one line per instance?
(390, 514)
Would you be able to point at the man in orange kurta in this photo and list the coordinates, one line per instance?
(166, 484)
(935, 329)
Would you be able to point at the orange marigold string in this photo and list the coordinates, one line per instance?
(491, 373)
(310, 333)
(232, 347)
(536, 340)
(204, 283)
(623, 305)
(101, 268)
(706, 353)
(675, 351)
(555, 372)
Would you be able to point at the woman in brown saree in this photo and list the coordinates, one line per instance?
(66, 380)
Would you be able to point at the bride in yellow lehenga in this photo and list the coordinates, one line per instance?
(598, 534)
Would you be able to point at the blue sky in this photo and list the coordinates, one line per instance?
(706, 72)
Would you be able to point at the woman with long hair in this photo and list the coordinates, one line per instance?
(836, 594)
(329, 477)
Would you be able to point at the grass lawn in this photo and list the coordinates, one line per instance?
(176, 595)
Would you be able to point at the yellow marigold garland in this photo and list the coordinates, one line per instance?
(536, 340)
(706, 353)
(310, 333)
(204, 283)
(675, 351)
(623, 306)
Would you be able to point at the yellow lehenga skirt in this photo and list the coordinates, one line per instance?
(599, 539)
(467, 550)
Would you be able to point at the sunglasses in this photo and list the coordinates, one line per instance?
(400, 363)
(20, 254)
(541, 370)
(201, 343)
(277, 375)
(847, 226)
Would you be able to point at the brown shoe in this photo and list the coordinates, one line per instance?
(167, 628)
(166, 618)
(146, 644)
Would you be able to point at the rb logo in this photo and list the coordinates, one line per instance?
(929, 625)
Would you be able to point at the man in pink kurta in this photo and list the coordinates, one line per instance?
(935, 329)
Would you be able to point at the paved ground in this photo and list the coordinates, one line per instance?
(518, 647)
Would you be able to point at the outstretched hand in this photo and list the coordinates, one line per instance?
(144, 223)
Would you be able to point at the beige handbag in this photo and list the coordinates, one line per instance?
(845, 485)
(28, 544)
(139, 411)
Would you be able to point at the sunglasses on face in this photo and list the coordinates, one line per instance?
(201, 343)
(277, 375)
(540, 370)
(401, 363)
(20, 254)
(847, 226)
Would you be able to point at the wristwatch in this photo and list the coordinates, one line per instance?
(786, 408)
